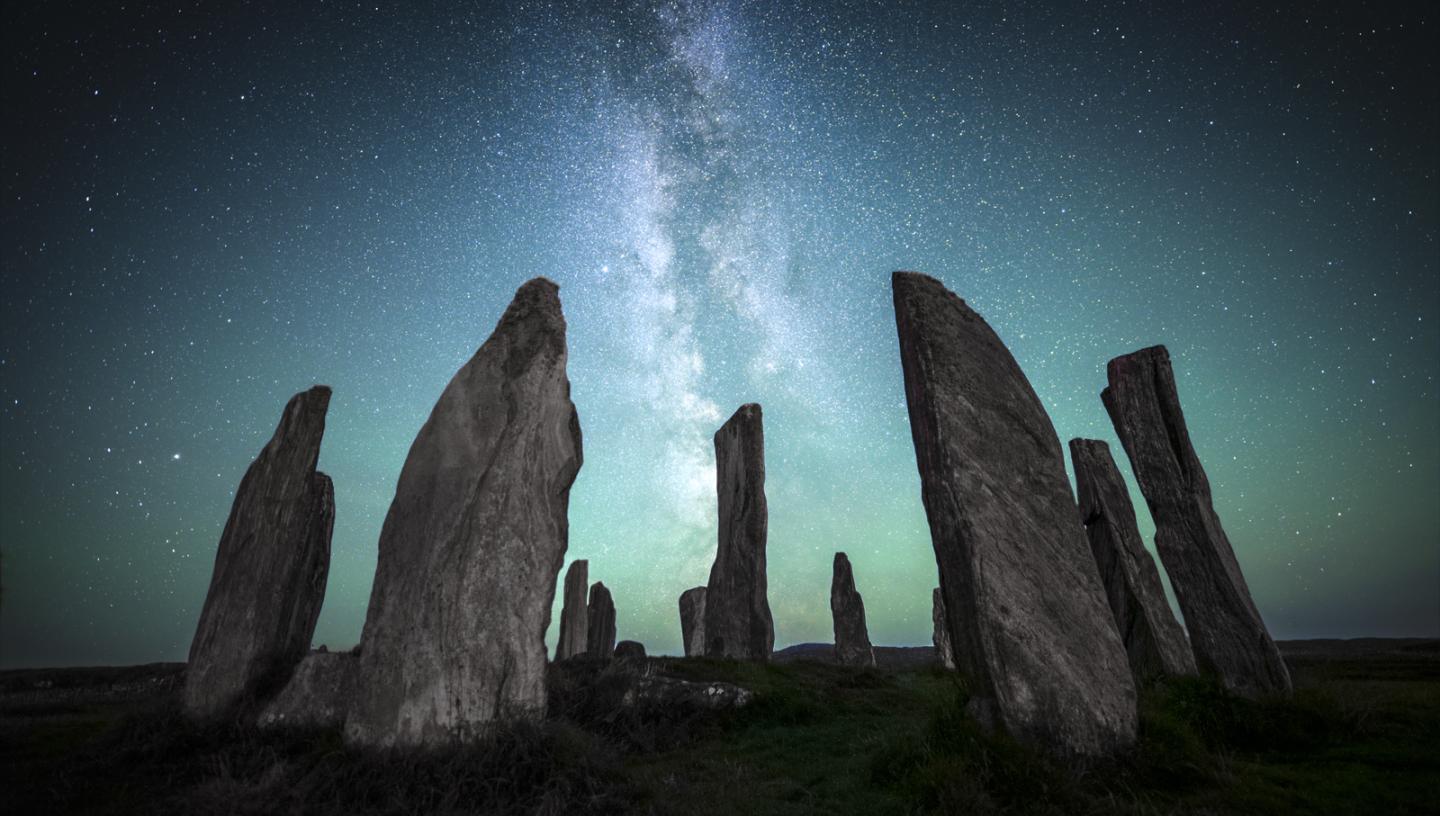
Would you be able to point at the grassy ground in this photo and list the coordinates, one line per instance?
(1357, 737)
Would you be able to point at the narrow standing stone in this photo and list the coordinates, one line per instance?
(455, 634)
(1026, 612)
(737, 607)
(270, 569)
(600, 639)
(847, 610)
(1226, 631)
(692, 621)
(574, 619)
(1153, 638)
(944, 652)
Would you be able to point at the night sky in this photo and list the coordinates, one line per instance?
(210, 207)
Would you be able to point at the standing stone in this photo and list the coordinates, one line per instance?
(270, 569)
(1153, 638)
(574, 619)
(737, 608)
(629, 650)
(847, 609)
(692, 621)
(600, 639)
(317, 694)
(1024, 605)
(474, 540)
(944, 652)
(1226, 631)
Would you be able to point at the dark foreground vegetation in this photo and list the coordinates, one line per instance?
(1359, 736)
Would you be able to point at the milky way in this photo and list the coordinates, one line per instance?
(206, 211)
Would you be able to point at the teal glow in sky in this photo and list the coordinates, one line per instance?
(207, 211)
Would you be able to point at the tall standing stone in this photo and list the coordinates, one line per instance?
(1226, 631)
(270, 569)
(1153, 638)
(474, 540)
(944, 652)
(692, 621)
(600, 639)
(847, 609)
(1026, 612)
(574, 618)
(737, 606)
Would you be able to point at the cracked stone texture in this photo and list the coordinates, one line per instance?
(574, 618)
(737, 608)
(1227, 634)
(1027, 616)
(944, 652)
(1153, 639)
(847, 610)
(692, 621)
(270, 569)
(600, 638)
(475, 537)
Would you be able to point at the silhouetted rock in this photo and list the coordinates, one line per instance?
(737, 609)
(473, 543)
(1226, 631)
(1153, 638)
(270, 569)
(847, 609)
(317, 695)
(692, 621)
(1026, 612)
(629, 650)
(574, 617)
(944, 652)
(600, 639)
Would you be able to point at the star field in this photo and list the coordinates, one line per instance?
(207, 210)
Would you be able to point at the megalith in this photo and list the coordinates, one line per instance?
(574, 620)
(737, 607)
(847, 609)
(692, 621)
(600, 637)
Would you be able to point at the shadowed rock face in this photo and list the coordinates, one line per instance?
(737, 606)
(629, 650)
(847, 608)
(1153, 638)
(600, 639)
(470, 550)
(692, 621)
(574, 619)
(270, 569)
(1226, 631)
(1026, 613)
(317, 695)
(944, 652)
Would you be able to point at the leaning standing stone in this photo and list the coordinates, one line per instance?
(455, 634)
(1226, 631)
(944, 652)
(737, 606)
(574, 622)
(270, 569)
(600, 639)
(692, 621)
(1026, 613)
(847, 609)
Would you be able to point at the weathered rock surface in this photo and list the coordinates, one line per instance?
(944, 652)
(629, 650)
(847, 609)
(574, 617)
(1026, 613)
(474, 540)
(317, 695)
(669, 693)
(737, 606)
(1153, 639)
(692, 621)
(1227, 634)
(270, 569)
(600, 639)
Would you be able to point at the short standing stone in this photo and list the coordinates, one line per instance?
(847, 609)
(600, 640)
(574, 620)
(629, 650)
(1227, 634)
(1027, 615)
(737, 606)
(270, 569)
(1153, 638)
(475, 537)
(944, 652)
(317, 695)
(692, 621)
